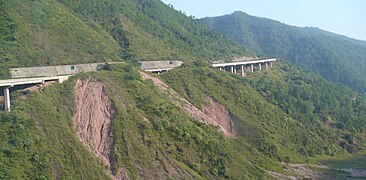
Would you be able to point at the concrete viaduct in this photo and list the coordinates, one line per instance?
(245, 66)
(159, 66)
(40, 75)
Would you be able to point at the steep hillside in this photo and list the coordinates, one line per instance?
(193, 122)
(132, 126)
(284, 112)
(167, 33)
(44, 32)
(37, 140)
(140, 128)
(337, 58)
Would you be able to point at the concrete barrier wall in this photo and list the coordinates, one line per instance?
(47, 71)
(151, 65)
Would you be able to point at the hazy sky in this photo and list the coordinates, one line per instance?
(345, 17)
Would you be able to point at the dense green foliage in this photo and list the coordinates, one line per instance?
(280, 115)
(336, 58)
(37, 140)
(47, 32)
(150, 135)
(155, 130)
(43, 32)
(286, 113)
(167, 33)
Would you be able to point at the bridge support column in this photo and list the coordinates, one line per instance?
(266, 66)
(7, 99)
(232, 69)
(62, 79)
(220, 68)
(252, 68)
(242, 70)
(260, 66)
(271, 64)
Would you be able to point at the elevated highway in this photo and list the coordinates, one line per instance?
(245, 66)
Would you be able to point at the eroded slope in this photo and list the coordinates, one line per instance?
(93, 117)
(213, 113)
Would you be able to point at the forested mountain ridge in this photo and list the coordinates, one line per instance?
(122, 123)
(47, 32)
(337, 58)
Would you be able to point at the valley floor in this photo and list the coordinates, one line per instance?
(348, 167)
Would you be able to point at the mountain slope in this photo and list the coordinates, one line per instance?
(137, 130)
(45, 32)
(194, 122)
(37, 141)
(37, 33)
(335, 57)
(167, 33)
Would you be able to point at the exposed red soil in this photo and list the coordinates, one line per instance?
(92, 120)
(212, 118)
(219, 113)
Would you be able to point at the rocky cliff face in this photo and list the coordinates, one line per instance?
(218, 113)
(93, 118)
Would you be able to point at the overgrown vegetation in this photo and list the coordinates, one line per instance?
(155, 130)
(38, 140)
(286, 113)
(336, 58)
(43, 32)
(152, 30)
(48, 32)
(151, 134)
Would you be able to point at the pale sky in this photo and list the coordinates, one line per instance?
(345, 17)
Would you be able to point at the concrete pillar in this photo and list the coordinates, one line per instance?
(248, 68)
(266, 66)
(242, 70)
(220, 68)
(271, 64)
(7, 99)
(232, 69)
(62, 79)
(252, 68)
(260, 66)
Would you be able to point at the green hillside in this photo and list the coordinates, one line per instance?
(38, 142)
(124, 124)
(35, 33)
(286, 108)
(306, 118)
(152, 136)
(45, 32)
(167, 33)
(337, 58)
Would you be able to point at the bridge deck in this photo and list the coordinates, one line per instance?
(244, 63)
(23, 81)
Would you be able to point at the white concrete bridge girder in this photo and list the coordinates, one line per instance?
(248, 65)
